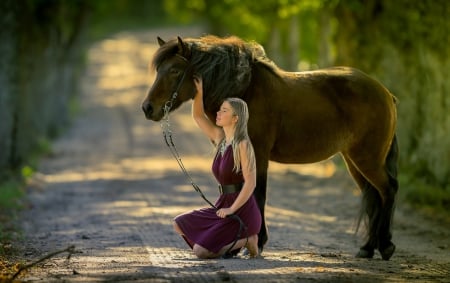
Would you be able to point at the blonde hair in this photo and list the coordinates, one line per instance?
(240, 110)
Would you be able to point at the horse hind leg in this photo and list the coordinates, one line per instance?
(385, 246)
(369, 211)
(382, 176)
(385, 180)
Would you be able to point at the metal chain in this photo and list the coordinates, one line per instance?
(165, 125)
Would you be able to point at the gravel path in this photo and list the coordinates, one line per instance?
(111, 188)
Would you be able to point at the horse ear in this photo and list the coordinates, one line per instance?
(160, 41)
(181, 46)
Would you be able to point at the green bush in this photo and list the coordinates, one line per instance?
(401, 44)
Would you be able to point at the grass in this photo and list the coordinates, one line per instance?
(11, 201)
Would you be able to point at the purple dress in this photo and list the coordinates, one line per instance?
(205, 228)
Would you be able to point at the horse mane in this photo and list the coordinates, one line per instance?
(225, 64)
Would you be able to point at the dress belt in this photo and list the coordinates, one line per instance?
(231, 188)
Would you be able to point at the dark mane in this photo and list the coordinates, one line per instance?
(225, 64)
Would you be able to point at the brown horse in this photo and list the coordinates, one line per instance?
(295, 117)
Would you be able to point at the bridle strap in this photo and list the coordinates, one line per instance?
(168, 105)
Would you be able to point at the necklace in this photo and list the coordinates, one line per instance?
(223, 146)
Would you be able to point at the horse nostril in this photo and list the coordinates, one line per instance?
(147, 108)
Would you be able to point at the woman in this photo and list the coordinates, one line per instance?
(209, 232)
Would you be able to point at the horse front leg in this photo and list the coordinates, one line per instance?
(260, 195)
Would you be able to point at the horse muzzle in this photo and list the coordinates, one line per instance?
(148, 109)
(150, 113)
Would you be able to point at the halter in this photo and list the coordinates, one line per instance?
(165, 126)
(168, 105)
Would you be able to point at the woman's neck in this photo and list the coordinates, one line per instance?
(229, 134)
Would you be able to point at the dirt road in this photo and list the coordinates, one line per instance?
(111, 188)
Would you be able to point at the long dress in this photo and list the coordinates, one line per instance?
(205, 228)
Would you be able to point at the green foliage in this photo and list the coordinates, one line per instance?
(405, 45)
(266, 22)
(110, 16)
(422, 195)
(410, 22)
(11, 194)
(41, 62)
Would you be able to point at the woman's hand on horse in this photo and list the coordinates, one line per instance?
(198, 84)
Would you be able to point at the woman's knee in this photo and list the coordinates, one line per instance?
(177, 228)
(201, 252)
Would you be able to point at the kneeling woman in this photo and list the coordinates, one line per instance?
(209, 232)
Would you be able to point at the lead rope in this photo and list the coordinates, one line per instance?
(165, 126)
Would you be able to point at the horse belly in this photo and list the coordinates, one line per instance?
(300, 150)
(302, 140)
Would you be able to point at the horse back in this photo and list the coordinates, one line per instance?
(309, 116)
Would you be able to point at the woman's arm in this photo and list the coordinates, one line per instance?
(249, 183)
(213, 132)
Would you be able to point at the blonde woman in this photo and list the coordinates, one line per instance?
(209, 232)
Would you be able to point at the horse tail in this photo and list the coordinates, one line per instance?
(392, 164)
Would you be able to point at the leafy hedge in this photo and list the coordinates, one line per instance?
(39, 68)
(405, 44)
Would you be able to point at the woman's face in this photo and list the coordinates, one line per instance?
(225, 115)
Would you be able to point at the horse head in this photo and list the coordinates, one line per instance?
(225, 64)
(173, 84)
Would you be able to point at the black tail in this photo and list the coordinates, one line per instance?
(392, 163)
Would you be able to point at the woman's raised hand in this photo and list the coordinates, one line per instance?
(198, 84)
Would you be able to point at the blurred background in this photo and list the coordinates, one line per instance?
(404, 44)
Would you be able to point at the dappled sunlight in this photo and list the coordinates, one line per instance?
(118, 70)
(317, 192)
(127, 204)
(121, 82)
(152, 164)
(123, 78)
(300, 268)
(130, 97)
(281, 215)
(142, 130)
(168, 211)
(127, 169)
(125, 44)
(136, 208)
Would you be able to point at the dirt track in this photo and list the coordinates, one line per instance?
(111, 188)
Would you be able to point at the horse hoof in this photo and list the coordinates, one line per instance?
(365, 253)
(387, 252)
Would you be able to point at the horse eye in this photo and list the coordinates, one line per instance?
(175, 71)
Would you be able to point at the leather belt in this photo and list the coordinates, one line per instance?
(231, 188)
